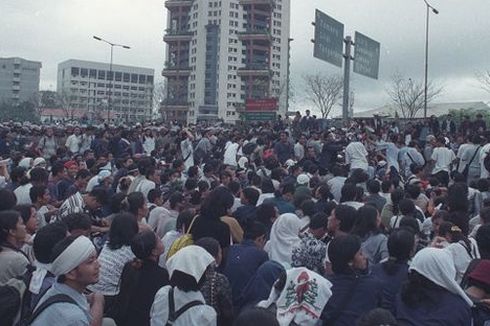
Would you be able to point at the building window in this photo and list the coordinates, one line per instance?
(126, 78)
(118, 76)
(75, 71)
(134, 78)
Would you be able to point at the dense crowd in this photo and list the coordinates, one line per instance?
(289, 222)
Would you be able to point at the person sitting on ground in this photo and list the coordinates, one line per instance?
(187, 273)
(140, 281)
(75, 265)
(13, 262)
(247, 213)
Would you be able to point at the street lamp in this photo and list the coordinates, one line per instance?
(109, 106)
(435, 11)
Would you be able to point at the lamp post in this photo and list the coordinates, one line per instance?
(435, 11)
(288, 76)
(109, 105)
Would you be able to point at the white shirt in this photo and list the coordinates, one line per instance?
(443, 158)
(22, 194)
(356, 155)
(145, 186)
(201, 315)
(483, 154)
(73, 143)
(299, 151)
(149, 145)
(187, 153)
(335, 184)
(231, 150)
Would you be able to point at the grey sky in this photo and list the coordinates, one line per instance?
(52, 31)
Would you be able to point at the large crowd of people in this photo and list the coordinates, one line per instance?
(289, 222)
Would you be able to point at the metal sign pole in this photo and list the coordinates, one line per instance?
(347, 58)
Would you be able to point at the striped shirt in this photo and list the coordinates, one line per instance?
(73, 204)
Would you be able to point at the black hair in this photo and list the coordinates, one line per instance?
(175, 198)
(255, 230)
(308, 207)
(58, 250)
(77, 221)
(400, 247)
(407, 207)
(256, 316)
(39, 176)
(83, 174)
(45, 240)
(18, 173)
(412, 191)
(460, 219)
(36, 192)
(184, 219)
(324, 192)
(190, 184)
(396, 196)
(342, 251)
(186, 282)
(136, 200)
(57, 168)
(319, 221)
(418, 291)
(348, 192)
(457, 197)
(366, 221)
(377, 317)
(116, 202)
(455, 232)
(123, 228)
(267, 186)
(25, 211)
(288, 188)
(347, 216)
(483, 241)
(251, 194)
(8, 221)
(410, 223)
(373, 186)
(143, 244)
(209, 244)
(485, 215)
(217, 203)
(100, 195)
(265, 213)
(153, 195)
(9, 200)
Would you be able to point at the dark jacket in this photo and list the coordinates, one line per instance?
(446, 309)
(364, 293)
(245, 215)
(243, 260)
(138, 289)
(391, 284)
(214, 228)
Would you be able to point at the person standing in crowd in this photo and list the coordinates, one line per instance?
(74, 141)
(283, 148)
(356, 156)
(443, 159)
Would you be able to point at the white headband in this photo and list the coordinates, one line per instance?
(74, 255)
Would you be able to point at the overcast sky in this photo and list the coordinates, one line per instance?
(52, 31)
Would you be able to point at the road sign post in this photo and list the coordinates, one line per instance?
(366, 56)
(347, 59)
(329, 35)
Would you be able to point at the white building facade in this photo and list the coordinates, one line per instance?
(19, 80)
(123, 94)
(222, 53)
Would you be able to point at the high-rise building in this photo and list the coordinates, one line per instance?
(19, 80)
(123, 94)
(221, 53)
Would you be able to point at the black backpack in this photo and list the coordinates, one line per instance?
(58, 298)
(174, 315)
(486, 161)
(10, 302)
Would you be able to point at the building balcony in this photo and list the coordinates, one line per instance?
(16, 87)
(16, 79)
(176, 36)
(255, 70)
(268, 3)
(255, 35)
(174, 105)
(175, 70)
(174, 4)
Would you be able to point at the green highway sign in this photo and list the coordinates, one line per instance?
(329, 39)
(260, 116)
(366, 56)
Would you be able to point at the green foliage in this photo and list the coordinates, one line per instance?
(24, 111)
(461, 113)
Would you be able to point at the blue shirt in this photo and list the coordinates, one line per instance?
(243, 260)
(63, 313)
(391, 284)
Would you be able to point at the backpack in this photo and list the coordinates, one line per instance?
(58, 298)
(174, 315)
(249, 148)
(11, 295)
(182, 242)
(486, 161)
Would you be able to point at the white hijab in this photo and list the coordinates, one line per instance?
(438, 266)
(284, 236)
(191, 260)
(303, 298)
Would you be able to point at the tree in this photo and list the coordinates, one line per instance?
(323, 91)
(408, 95)
(25, 111)
(65, 102)
(484, 79)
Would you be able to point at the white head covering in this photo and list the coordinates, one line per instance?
(242, 162)
(303, 298)
(303, 179)
(38, 161)
(284, 236)
(191, 260)
(74, 255)
(103, 174)
(438, 266)
(26, 162)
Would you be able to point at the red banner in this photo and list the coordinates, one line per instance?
(266, 104)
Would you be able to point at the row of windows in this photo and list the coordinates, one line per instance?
(117, 86)
(111, 75)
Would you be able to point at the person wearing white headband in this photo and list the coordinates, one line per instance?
(75, 265)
